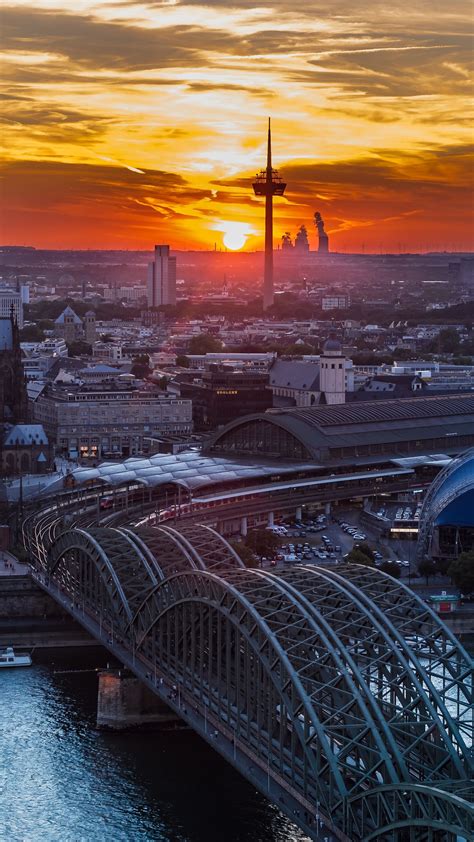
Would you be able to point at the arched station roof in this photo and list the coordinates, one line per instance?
(190, 469)
(325, 432)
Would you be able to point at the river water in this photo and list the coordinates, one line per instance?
(61, 780)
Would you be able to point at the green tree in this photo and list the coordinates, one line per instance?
(357, 557)
(391, 568)
(78, 348)
(141, 366)
(246, 554)
(363, 547)
(205, 344)
(461, 571)
(447, 341)
(31, 333)
(182, 360)
(427, 568)
(296, 350)
(263, 542)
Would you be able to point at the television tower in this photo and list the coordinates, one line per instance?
(269, 184)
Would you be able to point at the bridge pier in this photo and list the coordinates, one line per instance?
(299, 513)
(244, 527)
(123, 701)
(271, 519)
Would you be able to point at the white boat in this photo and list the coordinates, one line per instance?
(9, 659)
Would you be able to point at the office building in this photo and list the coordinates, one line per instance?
(161, 282)
(221, 395)
(11, 302)
(109, 419)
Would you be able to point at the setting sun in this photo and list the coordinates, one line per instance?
(234, 240)
(235, 234)
(97, 92)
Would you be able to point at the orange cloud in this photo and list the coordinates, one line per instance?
(141, 121)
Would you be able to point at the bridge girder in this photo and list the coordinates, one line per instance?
(315, 670)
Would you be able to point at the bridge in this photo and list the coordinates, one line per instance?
(339, 694)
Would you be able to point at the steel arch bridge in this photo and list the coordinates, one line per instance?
(339, 694)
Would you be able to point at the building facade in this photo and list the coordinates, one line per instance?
(332, 377)
(325, 379)
(336, 301)
(11, 302)
(109, 419)
(221, 395)
(161, 281)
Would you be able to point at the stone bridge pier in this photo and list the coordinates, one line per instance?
(123, 701)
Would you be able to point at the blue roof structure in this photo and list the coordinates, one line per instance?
(24, 434)
(68, 311)
(450, 499)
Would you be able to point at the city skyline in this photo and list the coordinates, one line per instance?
(129, 124)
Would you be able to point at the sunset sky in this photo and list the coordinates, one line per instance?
(127, 124)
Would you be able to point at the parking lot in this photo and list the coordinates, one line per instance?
(326, 540)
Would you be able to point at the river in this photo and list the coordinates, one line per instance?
(62, 780)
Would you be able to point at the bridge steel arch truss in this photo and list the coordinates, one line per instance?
(345, 684)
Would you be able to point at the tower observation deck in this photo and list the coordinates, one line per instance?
(268, 183)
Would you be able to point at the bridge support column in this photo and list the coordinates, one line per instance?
(271, 519)
(327, 509)
(244, 527)
(365, 504)
(123, 701)
(299, 513)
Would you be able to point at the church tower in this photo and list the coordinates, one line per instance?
(89, 327)
(332, 376)
(13, 394)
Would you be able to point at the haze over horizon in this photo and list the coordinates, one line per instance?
(130, 123)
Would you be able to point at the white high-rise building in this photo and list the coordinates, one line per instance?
(11, 300)
(332, 376)
(161, 282)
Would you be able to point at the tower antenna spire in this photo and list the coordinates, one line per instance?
(269, 148)
(269, 184)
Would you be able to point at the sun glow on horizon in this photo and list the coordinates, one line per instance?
(132, 123)
(235, 233)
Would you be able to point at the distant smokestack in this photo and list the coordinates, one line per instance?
(323, 245)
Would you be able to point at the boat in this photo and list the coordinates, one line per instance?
(9, 659)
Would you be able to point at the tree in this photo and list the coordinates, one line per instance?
(78, 348)
(263, 542)
(357, 557)
(391, 568)
(427, 568)
(461, 571)
(182, 360)
(296, 350)
(363, 547)
(447, 341)
(141, 366)
(205, 344)
(31, 333)
(246, 554)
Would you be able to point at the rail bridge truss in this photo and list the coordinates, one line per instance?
(337, 693)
